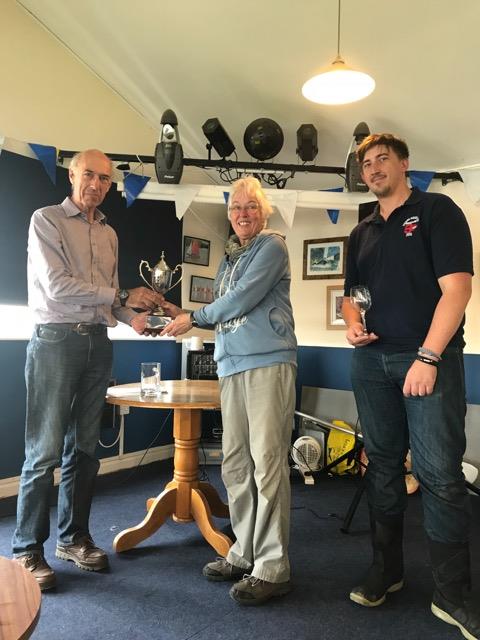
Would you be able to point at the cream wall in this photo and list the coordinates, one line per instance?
(49, 97)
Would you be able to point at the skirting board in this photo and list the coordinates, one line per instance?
(9, 486)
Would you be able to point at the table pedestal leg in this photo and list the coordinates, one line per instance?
(184, 498)
(161, 507)
(203, 517)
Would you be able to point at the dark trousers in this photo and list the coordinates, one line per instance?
(433, 427)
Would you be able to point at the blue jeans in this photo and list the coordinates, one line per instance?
(433, 427)
(67, 375)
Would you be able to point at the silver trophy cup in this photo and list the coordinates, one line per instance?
(161, 282)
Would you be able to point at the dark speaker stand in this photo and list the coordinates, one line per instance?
(349, 455)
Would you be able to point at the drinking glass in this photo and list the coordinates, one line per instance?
(150, 379)
(361, 300)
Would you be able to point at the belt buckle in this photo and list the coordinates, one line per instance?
(82, 328)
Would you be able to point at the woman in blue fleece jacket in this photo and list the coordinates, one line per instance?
(255, 351)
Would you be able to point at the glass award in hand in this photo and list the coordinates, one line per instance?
(362, 301)
(161, 282)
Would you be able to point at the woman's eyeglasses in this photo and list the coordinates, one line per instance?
(250, 207)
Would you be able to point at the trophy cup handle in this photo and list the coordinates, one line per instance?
(178, 267)
(140, 270)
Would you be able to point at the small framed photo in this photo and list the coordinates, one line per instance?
(334, 307)
(201, 289)
(196, 251)
(324, 258)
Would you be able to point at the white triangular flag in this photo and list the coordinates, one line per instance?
(286, 203)
(471, 180)
(184, 195)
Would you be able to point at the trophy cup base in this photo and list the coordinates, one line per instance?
(157, 323)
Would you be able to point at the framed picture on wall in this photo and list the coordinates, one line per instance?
(334, 307)
(201, 289)
(196, 251)
(324, 258)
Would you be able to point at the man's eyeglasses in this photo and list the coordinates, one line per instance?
(250, 207)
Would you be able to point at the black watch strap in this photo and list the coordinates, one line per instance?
(193, 322)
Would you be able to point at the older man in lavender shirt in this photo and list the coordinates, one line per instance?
(74, 295)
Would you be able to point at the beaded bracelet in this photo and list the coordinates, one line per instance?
(434, 363)
(428, 352)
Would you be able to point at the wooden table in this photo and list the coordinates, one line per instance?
(20, 600)
(184, 498)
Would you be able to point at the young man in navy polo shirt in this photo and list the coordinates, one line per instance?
(414, 253)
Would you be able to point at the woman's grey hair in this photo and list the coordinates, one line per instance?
(251, 186)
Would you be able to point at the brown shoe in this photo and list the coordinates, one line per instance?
(39, 568)
(251, 591)
(84, 554)
(221, 570)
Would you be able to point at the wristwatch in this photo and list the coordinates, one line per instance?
(193, 322)
(123, 296)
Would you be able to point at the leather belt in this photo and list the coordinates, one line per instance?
(82, 328)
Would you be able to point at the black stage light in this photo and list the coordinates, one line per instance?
(218, 137)
(307, 147)
(352, 169)
(169, 152)
(263, 138)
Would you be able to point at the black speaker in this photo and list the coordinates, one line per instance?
(169, 162)
(353, 174)
(307, 147)
(263, 138)
(218, 137)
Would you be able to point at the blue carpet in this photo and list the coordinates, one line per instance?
(157, 590)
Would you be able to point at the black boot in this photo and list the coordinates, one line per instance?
(386, 573)
(451, 598)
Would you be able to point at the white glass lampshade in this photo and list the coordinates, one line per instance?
(338, 85)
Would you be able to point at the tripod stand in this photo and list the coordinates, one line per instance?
(350, 455)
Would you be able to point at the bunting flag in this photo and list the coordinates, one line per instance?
(184, 196)
(471, 179)
(133, 185)
(421, 179)
(286, 203)
(226, 195)
(334, 213)
(48, 157)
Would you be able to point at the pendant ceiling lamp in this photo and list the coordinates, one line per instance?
(338, 84)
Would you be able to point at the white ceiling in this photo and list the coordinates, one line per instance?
(244, 60)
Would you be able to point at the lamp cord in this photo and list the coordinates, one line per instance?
(338, 28)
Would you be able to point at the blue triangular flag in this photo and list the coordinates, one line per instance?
(333, 213)
(421, 179)
(133, 185)
(226, 196)
(48, 157)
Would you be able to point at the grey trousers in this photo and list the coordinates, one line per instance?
(257, 412)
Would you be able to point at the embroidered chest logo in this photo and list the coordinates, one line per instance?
(410, 225)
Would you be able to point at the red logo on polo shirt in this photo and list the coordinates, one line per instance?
(410, 225)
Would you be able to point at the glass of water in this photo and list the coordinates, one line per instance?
(150, 379)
